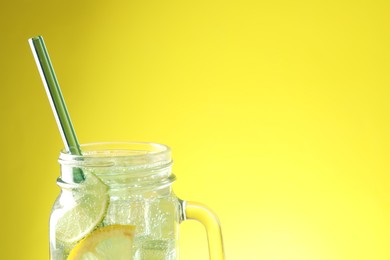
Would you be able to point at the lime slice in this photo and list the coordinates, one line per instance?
(83, 209)
(110, 242)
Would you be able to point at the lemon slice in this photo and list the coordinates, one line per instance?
(83, 209)
(108, 243)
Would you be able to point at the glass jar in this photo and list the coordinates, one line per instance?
(124, 207)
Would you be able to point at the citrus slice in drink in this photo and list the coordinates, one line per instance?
(110, 242)
(83, 207)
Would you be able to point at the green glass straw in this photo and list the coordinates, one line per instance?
(56, 100)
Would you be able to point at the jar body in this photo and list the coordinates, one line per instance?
(156, 218)
(117, 195)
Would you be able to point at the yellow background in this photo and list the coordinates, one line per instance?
(277, 113)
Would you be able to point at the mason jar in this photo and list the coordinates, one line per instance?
(123, 207)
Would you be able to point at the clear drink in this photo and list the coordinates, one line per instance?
(124, 209)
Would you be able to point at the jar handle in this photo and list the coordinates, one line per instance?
(201, 213)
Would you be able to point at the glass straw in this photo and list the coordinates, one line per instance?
(56, 100)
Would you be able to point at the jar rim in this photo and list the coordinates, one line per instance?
(121, 164)
(118, 153)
